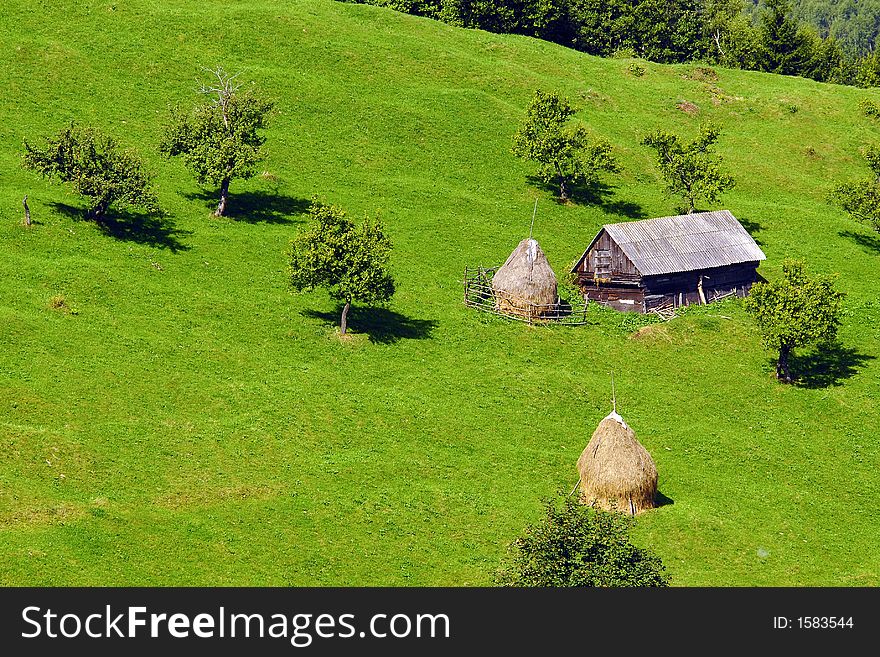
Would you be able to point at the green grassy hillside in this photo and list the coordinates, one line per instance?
(188, 421)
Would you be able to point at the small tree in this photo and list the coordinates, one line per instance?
(691, 171)
(349, 260)
(578, 545)
(220, 140)
(861, 199)
(566, 155)
(96, 167)
(797, 311)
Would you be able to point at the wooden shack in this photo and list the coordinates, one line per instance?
(669, 262)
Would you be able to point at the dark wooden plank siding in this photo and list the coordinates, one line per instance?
(628, 298)
(618, 288)
(682, 288)
(669, 290)
(726, 277)
(621, 267)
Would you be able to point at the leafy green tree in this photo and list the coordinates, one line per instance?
(737, 43)
(220, 140)
(861, 199)
(872, 155)
(96, 167)
(717, 24)
(667, 31)
(796, 311)
(578, 545)
(826, 60)
(349, 260)
(868, 71)
(566, 155)
(691, 171)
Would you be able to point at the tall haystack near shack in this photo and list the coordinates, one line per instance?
(657, 264)
(525, 284)
(616, 471)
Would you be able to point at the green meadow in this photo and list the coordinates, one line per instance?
(182, 418)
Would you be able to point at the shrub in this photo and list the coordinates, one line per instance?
(869, 108)
(636, 69)
(578, 545)
(59, 302)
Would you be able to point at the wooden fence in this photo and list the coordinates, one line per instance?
(478, 294)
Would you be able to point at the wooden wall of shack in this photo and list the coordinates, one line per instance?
(683, 288)
(607, 276)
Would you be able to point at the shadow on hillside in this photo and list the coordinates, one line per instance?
(156, 230)
(752, 227)
(266, 207)
(661, 500)
(380, 324)
(867, 242)
(826, 366)
(599, 194)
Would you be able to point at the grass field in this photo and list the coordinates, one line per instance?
(185, 420)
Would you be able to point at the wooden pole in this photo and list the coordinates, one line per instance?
(613, 394)
(534, 212)
(27, 211)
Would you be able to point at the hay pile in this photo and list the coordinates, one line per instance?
(525, 284)
(617, 473)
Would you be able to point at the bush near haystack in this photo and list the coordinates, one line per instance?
(578, 545)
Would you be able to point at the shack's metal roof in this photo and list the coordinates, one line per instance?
(686, 242)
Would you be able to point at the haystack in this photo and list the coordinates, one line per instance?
(617, 473)
(525, 284)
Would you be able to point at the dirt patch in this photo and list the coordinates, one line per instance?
(719, 96)
(702, 74)
(58, 302)
(350, 338)
(688, 107)
(651, 333)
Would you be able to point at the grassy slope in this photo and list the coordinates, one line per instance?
(209, 427)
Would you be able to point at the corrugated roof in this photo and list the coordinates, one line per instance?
(684, 242)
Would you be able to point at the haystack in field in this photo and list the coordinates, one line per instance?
(617, 473)
(525, 284)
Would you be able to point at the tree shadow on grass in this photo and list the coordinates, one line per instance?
(380, 324)
(826, 366)
(156, 230)
(752, 227)
(255, 207)
(867, 242)
(599, 194)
